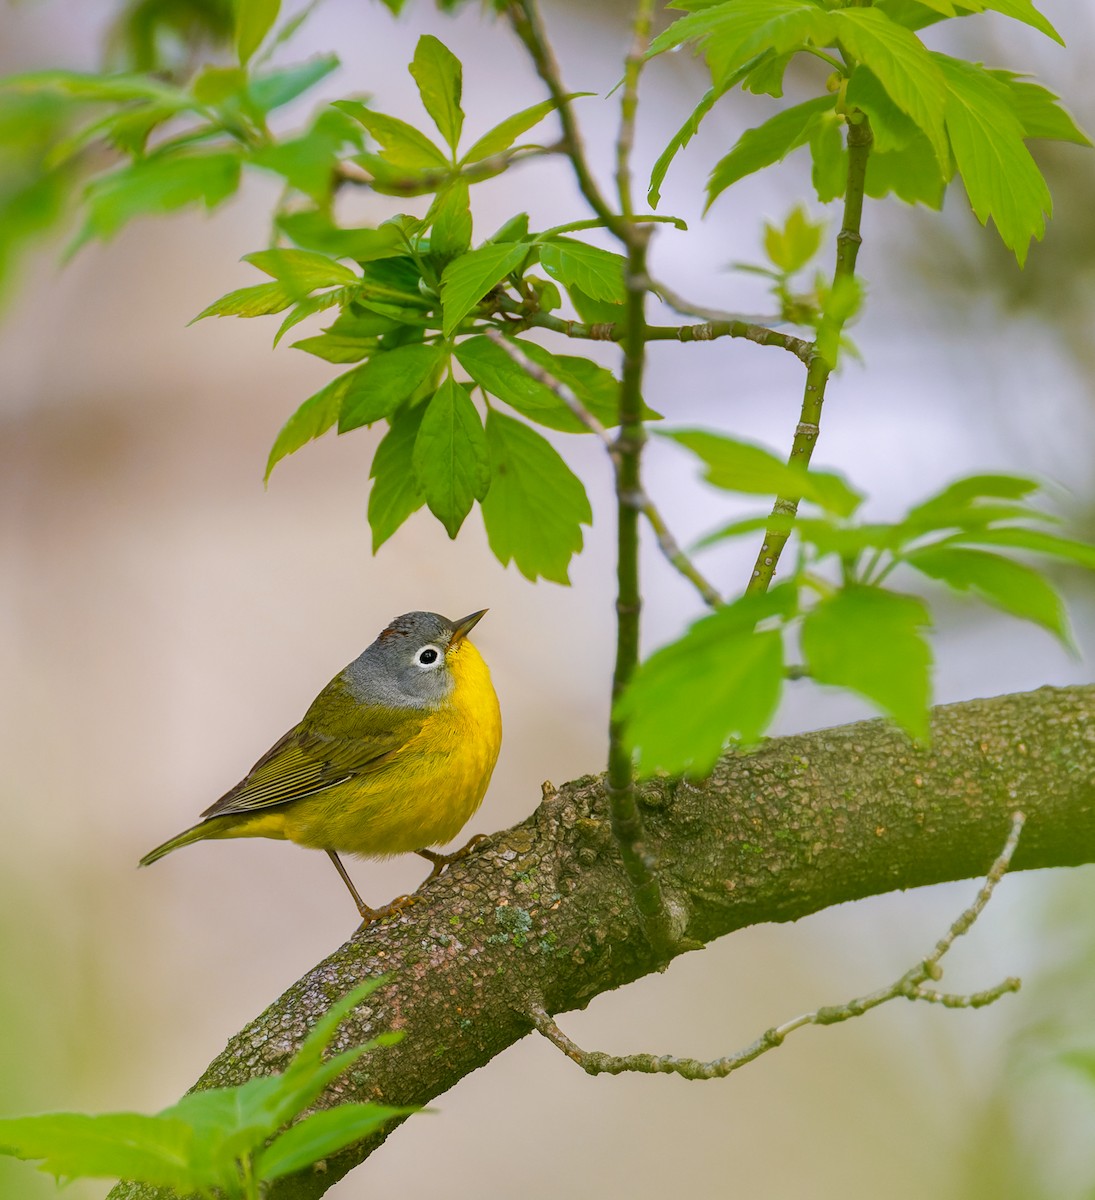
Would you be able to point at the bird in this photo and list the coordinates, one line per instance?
(393, 756)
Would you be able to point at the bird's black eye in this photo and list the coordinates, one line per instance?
(427, 657)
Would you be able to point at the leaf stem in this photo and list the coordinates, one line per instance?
(819, 368)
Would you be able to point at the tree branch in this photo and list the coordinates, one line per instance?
(544, 917)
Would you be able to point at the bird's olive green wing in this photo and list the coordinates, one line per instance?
(338, 739)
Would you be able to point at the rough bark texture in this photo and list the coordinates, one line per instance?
(544, 913)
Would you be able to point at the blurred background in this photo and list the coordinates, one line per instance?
(164, 619)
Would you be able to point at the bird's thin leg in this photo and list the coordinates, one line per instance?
(441, 861)
(369, 915)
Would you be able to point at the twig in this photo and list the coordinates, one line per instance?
(913, 985)
(525, 18)
(708, 332)
(555, 386)
(688, 308)
(639, 499)
(818, 367)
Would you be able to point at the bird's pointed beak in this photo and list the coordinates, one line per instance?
(461, 628)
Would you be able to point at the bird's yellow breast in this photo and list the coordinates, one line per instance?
(427, 790)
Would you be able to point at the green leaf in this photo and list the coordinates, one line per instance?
(911, 173)
(314, 230)
(259, 300)
(438, 74)
(467, 279)
(450, 456)
(677, 143)
(402, 144)
(450, 217)
(869, 641)
(314, 417)
(254, 20)
(505, 133)
(1035, 540)
(310, 305)
(271, 89)
(1007, 585)
(722, 680)
(1020, 10)
(386, 381)
(148, 1149)
(599, 273)
(308, 1074)
(1038, 110)
(536, 505)
(495, 372)
(79, 85)
(953, 504)
(792, 247)
(829, 172)
(513, 230)
(898, 60)
(302, 270)
(741, 467)
(891, 128)
(1001, 179)
(733, 34)
(229, 1124)
(321, 1134)
(595, 386)
(337, 348)
(213, 85)
(767, 144)
(157, 185)
(396, 492)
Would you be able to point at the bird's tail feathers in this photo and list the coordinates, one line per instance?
(195, 834)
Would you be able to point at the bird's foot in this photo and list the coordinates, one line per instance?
(371, 915)
(441, 861)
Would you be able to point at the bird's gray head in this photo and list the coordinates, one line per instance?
(408, 666)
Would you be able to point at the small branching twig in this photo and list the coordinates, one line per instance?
(819, 368)
(913, 985)
(639, 499)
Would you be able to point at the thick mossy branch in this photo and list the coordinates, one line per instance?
(544, 917)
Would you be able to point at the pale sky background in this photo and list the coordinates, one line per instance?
(163, 620)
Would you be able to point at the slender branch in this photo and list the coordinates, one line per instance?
(912, 986)
(555, 386)
(819, 367)
(629, 104)
(524, 16)
(707, 332)
(641, 500)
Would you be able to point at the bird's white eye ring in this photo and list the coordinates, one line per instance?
(429, 657)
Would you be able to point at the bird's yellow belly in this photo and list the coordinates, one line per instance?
(424, 795)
